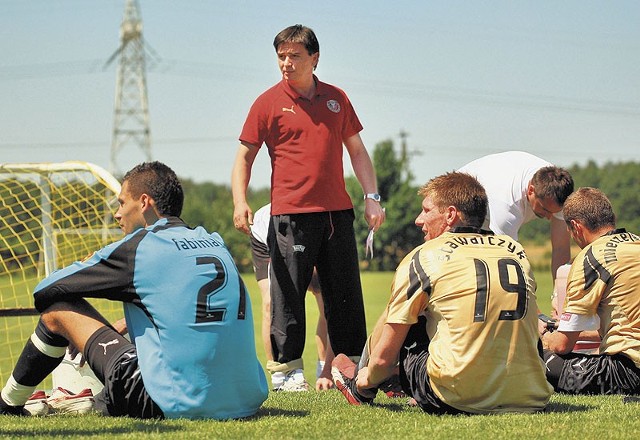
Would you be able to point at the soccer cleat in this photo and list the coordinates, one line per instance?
(294, 381)
(392, 388)
(11, 410)
(64, 401)
(345, 365)
(343, 373)
(37, 404)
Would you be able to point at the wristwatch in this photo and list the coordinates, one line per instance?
(373, 196)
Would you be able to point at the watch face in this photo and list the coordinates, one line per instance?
(375, 197)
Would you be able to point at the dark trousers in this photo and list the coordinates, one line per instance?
(297, 243)
(578, 373)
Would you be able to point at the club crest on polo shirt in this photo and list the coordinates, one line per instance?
(298, 248)
(333, 105)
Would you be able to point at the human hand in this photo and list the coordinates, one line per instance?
(323, 383)
(374, 214)
(546, 324)
(365, 389)
(120, 326)
(74, 352)
(242, 217)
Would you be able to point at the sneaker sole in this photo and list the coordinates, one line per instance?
(39, 408)
(345, 366)
(338, 380)
(75, 406)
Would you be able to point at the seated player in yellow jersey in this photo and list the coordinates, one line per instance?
(603, 293)
(461, 324)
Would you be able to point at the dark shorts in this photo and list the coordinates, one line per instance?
(579, 373)
(114, 361)
(413, 372)
(261, 258)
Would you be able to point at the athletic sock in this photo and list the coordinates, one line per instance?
(319, 368)
(42, 353)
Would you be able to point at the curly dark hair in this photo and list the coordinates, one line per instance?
(160, 183)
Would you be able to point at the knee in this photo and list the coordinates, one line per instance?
(51, 319)
(56, 316)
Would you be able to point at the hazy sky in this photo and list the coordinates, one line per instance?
(560, 79)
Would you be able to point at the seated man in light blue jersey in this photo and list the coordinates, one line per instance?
(187, 312)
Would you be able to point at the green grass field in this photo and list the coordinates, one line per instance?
(327, 415)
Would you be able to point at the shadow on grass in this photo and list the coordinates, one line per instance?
(275, 412)
(559, 407)
(396, 407)
(556, 407)
(138, 428)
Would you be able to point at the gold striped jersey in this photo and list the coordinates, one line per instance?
(604, 279)
(477, 292)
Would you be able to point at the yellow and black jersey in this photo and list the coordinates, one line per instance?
(477, 292)
(605, 280)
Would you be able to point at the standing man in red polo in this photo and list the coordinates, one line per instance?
(304, 124)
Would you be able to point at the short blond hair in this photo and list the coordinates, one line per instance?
(460, 190)
(591, 207)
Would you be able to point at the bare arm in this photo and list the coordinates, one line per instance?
(560, 245)
(240, 176)
(560, 342)
(365, 173)
(384, 356)
(120, 326)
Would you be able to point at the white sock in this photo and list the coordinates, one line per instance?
(15, 394)
(319, 368)
(277, 379)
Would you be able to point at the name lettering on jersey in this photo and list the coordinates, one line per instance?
(612, 245)
(201, 243)
(491, 240)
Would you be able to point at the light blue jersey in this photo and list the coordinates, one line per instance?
(188, 314)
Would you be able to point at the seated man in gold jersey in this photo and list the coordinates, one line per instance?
(461, 324)
(603, 293)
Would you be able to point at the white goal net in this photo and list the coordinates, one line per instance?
(51, 215)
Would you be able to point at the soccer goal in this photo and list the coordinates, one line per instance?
(51, 215)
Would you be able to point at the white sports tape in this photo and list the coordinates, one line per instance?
(49, 350)
(15, 394)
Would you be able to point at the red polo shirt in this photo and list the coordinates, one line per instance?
(305, 141)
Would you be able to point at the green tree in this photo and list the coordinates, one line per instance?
(211, 206)
(399, 234)
(619, 181)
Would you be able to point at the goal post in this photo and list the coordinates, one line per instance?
(51, 215)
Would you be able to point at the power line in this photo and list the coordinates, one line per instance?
(76, 144)
(373, 87)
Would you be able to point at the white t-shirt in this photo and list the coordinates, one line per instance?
(505, 177)
(260, 226)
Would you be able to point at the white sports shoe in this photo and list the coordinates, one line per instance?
(64, 401)
(277, 379)
(294, 381)
(37, 404)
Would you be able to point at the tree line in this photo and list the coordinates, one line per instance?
(211, 206)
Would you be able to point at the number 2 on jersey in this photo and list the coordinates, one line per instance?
(203, 312)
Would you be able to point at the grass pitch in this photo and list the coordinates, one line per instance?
(327, 415)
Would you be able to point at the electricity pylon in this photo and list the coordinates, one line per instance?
(131, 113)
